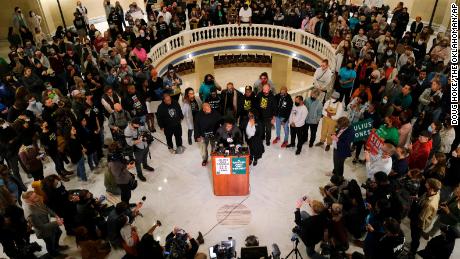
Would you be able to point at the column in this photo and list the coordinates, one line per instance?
(281, 71)
(203, 65)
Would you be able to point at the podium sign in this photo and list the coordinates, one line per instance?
(230, 175)
(238, 165)
(223, 165)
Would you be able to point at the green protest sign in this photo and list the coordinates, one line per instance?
(362, 129)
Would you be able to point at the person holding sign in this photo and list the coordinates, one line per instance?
(381, 162)
(388, 131)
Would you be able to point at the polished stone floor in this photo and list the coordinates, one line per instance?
(179, 193)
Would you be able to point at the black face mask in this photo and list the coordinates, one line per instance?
(313, 98)
(297, 104)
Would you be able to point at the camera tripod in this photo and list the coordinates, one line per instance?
(295, 250)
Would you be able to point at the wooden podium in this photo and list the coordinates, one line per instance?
(230, 175)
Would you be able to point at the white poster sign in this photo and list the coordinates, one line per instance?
(222, 165)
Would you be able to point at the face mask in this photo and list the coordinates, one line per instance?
(420, 42)
(454, 153)
(388, 64)
(313, 98)
(5, 125)
(297, 104)
(430, 129)
(33, 102)
(384, 101)
(58, 185)
(389, 52)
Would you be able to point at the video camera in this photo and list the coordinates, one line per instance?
(224, 250)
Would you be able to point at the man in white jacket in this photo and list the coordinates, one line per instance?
(297, 123)
(322, 79)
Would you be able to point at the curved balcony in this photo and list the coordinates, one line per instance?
(284, 41)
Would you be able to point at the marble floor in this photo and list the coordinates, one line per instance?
(179, 193)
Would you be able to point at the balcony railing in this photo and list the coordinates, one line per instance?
(304, 40)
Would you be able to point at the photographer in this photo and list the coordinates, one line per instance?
(177, 246)
(206, 124)
(310, 227)
(148, 247)
(135, 139)
(119, 167)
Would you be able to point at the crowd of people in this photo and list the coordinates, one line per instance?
(60, 97)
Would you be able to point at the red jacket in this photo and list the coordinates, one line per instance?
(419, 154)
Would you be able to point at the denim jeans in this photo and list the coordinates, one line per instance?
(278, 128)
(93, 160)
(81, 173)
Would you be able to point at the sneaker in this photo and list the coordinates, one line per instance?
(254, 163)
(180, 150)
(355, 160)
(319, 144)
(172, 151)
(297, 152)
(190, 141)
(267, 143)
(204, 163)
(142, 178)
(290, 145)
(425, 235)
(328, 147)
(310, 145)
(200, 238)
(285, 143)
(276, 140)
(149, 168)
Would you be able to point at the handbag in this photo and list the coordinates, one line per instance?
(132, 182)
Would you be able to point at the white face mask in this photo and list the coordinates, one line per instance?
(454, 153)
(5, 125)
(388, 64)
(420, 42)
(389, 52)
(59, 184)
(384, 101)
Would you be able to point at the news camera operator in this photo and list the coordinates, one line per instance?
(310, 227)
(119, 167)
(138, 137)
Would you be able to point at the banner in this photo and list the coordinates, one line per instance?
(374, 143)
(362, 129)
(238, 165)
(222, 165)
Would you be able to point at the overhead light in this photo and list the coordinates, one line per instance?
(243, 47)
(294, 54)
(190, 55)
